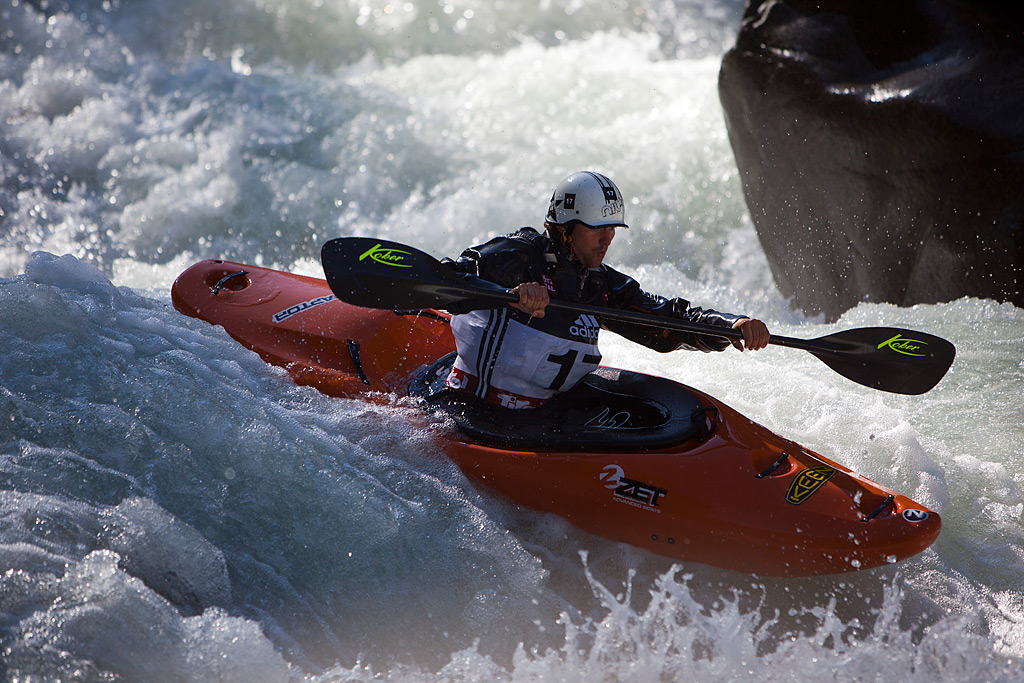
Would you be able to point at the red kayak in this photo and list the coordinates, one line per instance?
(630, 457)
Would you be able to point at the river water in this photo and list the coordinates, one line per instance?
(175, 510)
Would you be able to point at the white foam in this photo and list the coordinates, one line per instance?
(171, 505)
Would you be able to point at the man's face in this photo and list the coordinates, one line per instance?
(591, 244)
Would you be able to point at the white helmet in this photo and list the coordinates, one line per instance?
(589, 198)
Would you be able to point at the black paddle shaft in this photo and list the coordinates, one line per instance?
(375, 273)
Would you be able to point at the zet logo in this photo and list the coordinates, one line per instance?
(908, 347)
(630, 491)
(611, 475)
(388, 257)
(808, 483)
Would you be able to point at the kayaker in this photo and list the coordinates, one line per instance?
(520, 356)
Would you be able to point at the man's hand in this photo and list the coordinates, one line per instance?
(755, 334)
(533, 299)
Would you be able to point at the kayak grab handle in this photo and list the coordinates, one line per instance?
(774, 466)
(353, 351)
(423, 313)
(705, 429)
(224, 280)
(880, 509)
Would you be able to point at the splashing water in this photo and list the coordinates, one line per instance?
(174, 509)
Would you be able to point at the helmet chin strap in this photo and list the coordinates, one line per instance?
(562, 236)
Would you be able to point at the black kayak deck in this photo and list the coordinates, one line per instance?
(610, 410)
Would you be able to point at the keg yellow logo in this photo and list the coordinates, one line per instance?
(807, 484)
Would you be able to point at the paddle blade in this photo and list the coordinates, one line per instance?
(375, 273)
(886, 358)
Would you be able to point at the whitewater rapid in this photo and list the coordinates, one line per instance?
(175, 509)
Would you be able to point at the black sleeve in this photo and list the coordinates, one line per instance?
(499, 265)
(625, 293)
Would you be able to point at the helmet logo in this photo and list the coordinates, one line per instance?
(612, 208)
(553, 210)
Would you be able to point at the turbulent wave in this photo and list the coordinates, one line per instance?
(174, 509)
(155, 132)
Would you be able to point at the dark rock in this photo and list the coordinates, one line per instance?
(881, 147)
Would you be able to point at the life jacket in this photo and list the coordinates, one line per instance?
(507, 357)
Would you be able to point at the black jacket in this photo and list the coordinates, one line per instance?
(528, 256)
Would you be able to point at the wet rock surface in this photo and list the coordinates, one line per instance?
(881, 147)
